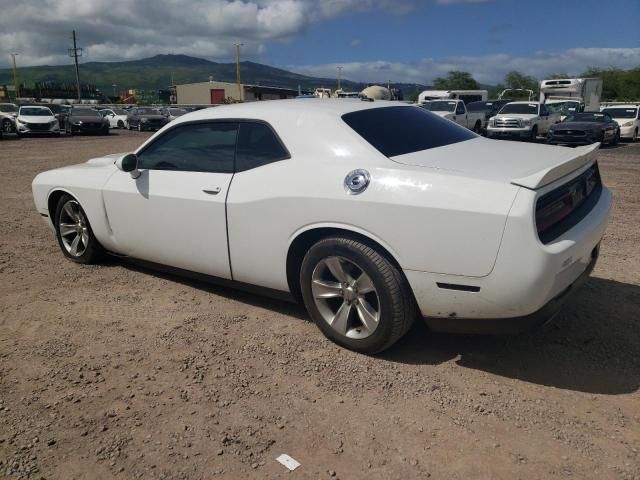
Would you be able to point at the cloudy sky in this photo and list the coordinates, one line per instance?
(373, 40)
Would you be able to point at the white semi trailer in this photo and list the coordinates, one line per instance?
(571, 95)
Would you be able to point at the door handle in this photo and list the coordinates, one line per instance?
(211, 191)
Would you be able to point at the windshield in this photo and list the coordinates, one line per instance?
(36, 111)
(147, 111)
(565, 108)
(85, 112)
(119, 111)
(400, 130)
(587, 117)
(7, 107)
(621, 112)
(440, 106)
(522, 108)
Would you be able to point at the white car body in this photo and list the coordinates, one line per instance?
(630, 123)
(8, 114)
(585, 92)
(459, 220)
(456, 111)
(115, 120)
(42, 122)
(521, 125)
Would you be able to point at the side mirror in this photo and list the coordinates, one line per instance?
(129, 163)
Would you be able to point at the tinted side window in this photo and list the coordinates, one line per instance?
(460, 109)
(257, 145)
(200, 147)
(400, 130)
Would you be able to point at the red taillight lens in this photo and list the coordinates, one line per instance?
(554, 210)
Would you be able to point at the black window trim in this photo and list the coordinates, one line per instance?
(287, 155)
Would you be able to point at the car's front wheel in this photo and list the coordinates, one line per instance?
(74, 233)
(7, 126)
(356, 296)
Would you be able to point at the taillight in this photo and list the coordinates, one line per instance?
(562, 208)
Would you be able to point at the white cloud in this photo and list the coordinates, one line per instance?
(488, 69)
(40, 30)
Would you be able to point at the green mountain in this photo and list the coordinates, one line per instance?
(157, 72)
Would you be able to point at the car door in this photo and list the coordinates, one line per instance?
(461, 115)
(610, 128)
(545, 119)
(174, 213)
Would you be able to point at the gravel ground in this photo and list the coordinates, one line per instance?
(113, 371)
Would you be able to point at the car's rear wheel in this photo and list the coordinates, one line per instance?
(120, 124)
(477, 128)
(357, 297)
(74, 233)
(534, 133)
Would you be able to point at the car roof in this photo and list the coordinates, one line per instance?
(524, 102)
(272, 108)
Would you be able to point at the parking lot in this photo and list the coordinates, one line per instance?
(127, 373)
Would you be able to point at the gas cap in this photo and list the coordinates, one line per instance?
(356, 181)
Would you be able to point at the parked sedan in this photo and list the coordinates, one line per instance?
(392, 213)
(117, 117)
(172, 113)
(145, 118)
(36, 120)
(584, 129)
(86, 120)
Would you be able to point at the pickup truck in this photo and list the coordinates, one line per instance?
(456, 111)
(522, 120)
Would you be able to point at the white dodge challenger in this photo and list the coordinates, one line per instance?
(371, 213)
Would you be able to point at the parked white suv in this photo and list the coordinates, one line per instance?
(456, 111)
(628, 118)
(523, 120)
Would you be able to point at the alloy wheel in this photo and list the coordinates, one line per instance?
(74, 229)
(345, 297)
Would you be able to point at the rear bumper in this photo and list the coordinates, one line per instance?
(515, 324)
(528, 279)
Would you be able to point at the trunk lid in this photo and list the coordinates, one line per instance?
(524, 164)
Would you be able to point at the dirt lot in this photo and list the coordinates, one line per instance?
(116, 372)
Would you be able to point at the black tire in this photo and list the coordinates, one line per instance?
(396, 304)
(616, 138)
(93, 251)
(120, 124)
(477, 128)
(534, 133)
(7, 126)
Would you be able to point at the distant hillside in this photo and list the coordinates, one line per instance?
(156, 72)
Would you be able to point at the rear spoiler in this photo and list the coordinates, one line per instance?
(580, 157)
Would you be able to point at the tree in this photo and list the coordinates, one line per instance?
(617, 84)
(456, 80)
(515, 79)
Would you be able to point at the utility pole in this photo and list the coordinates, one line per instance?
(15, 75)
(339, 76)
(76, 52)
(238, 45)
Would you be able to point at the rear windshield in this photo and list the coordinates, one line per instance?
(400, 130)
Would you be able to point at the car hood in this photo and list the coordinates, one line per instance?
(577, 126)
(36, 118)
(525, 116)
(86, 119)
(527, 165)
(442, 114)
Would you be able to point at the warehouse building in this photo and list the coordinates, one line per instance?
(215, 93)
